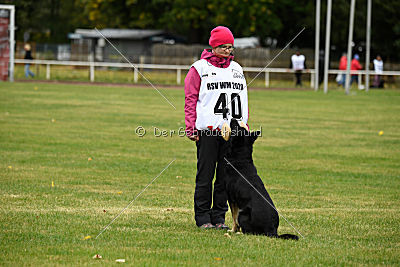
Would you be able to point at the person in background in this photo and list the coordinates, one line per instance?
(342, 66)
(321, 67)
(298, 64)
(355, 65)
(378, 67)
(28, 56)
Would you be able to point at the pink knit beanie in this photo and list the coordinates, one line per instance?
(220, 35)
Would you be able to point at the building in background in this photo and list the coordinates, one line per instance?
(247, 42)
(88, 44)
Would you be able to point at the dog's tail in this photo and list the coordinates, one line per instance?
(288, 236)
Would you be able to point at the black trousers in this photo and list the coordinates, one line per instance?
(210, 156)
(298, 77)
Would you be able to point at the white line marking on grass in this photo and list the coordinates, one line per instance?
(263, 197)
(144, 189)
(136, 68)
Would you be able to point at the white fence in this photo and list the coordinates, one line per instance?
(179, 68)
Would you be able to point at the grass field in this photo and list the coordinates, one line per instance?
(71, 161)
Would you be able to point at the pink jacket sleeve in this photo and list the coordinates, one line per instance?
(192, 89)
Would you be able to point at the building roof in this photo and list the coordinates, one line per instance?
(132, 34)
(247, 42)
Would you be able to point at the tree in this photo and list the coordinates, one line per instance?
(51, 20)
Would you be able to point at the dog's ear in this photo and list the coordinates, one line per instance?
(234, 124)
(254, 135)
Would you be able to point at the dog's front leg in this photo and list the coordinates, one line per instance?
(235, 216)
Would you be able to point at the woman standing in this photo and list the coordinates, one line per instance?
(215, 92)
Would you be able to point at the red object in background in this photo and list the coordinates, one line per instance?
(355, 64)
(4, 48)
(343, 63)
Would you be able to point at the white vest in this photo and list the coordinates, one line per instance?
(378, 66)
(218, 89)
(298, 62)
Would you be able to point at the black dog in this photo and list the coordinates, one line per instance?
(251, 212)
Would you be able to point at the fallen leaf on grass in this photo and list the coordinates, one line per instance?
(227, 235)
(10, 167)
(97, 256)
(218, 259)
(53, 120)
(89, 159)
(178, 176)
(87, 237)
(119, 192)
(120, 260)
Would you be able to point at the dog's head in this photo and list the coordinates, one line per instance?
(241, 141)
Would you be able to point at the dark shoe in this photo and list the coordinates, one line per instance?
(221, 226)
(207, 226)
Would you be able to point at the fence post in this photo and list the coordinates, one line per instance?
(266, 78)
(47, 71)
(312, 80)
(91, 71)
(359, 80)
(178, 76)
(142, 60)
(135, 75)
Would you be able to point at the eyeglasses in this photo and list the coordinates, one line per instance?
(227, 47)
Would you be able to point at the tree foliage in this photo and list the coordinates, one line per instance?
(52, 20)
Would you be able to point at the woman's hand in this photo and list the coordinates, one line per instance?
(194, 138)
